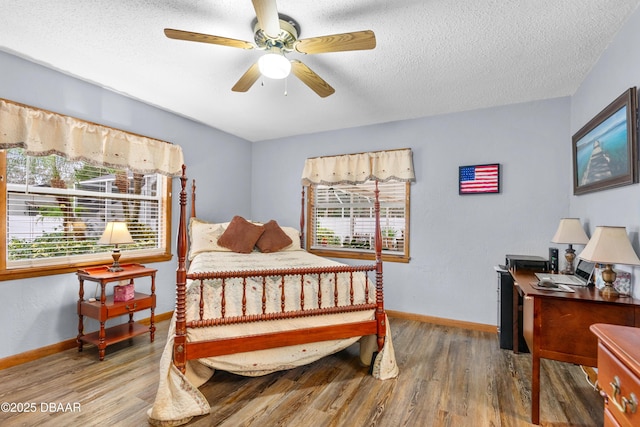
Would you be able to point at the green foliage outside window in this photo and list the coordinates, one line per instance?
(55, 244)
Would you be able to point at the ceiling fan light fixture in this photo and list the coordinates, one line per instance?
(274, 65)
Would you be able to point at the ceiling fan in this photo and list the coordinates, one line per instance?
(277, 35)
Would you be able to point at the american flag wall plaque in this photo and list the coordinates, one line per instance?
(479, 179)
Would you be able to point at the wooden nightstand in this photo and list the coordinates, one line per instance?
(106, 308)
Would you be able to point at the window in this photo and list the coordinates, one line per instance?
(342, 220)
(54, 210)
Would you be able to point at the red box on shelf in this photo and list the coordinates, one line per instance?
(123, 292)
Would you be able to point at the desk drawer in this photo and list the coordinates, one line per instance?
(613, 371)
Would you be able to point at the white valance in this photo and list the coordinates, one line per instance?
(42, 133)
(393, 165)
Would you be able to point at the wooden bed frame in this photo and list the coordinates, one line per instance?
(185, 350)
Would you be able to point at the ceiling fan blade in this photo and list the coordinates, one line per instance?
(267, 14)
(311, 79)
(359, 40)
(248, 79)
(206, 38)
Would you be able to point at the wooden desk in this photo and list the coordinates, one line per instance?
(556, 325)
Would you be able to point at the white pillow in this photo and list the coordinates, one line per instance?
(294, 235)
(203, 237)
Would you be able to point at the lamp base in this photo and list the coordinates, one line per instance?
(609, 292)
(570, 256)
(115, 267)
(609, 276)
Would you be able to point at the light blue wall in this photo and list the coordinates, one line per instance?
(455, 240)
(617, 70)
(42, 311)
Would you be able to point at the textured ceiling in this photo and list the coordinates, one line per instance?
(432, 56)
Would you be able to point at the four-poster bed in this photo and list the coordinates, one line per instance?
(185, 350)
(256, 311)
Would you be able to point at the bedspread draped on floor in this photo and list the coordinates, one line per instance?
(178, 398)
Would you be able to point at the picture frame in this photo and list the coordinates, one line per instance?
(605, 150)
(479, 179)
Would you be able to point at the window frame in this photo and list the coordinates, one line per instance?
(358, 254)
(103, 258)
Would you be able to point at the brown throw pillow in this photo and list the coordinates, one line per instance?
(241, 235)
(273, 239)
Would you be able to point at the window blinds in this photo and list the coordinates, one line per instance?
(343, 216)
(57, 209)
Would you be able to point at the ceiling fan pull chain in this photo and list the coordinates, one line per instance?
(285, 86)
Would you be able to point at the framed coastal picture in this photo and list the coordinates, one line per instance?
(479, 179)
(605, 152)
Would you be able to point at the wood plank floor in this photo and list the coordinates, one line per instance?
(448, 377)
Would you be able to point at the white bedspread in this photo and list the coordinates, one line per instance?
(178, 398)
(230, 261)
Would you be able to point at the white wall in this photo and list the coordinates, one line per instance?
(455, 240)
(617, 70)
(42, 311)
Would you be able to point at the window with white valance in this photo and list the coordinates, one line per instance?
(340, 204)
(64, 178)
(383, 166)
(41, 133)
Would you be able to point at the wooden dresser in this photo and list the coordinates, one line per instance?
(619, 373)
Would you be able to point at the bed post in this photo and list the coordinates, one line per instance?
(193, 199)
(180, 340)
(380, 314)
(302, 219)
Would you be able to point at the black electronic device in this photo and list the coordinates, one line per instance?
(553, 260)
(505, 313)
(526, 262)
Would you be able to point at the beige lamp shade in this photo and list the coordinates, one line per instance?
(610, 245)
(115, 233)
(570, 231)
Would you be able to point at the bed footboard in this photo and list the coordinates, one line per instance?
(342, 299)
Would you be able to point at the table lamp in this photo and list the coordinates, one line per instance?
(570, 232)
(609, 245)
(115, 233)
